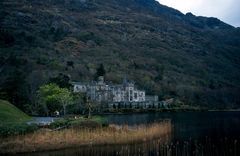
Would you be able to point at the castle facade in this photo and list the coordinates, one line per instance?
(100, 91)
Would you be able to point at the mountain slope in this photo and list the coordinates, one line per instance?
(193, 59)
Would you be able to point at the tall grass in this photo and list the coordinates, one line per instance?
(113, 135)
(156, 147)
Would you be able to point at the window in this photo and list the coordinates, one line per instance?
(131, 91)
(135, 95)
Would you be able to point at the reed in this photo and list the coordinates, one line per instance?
(44, 139)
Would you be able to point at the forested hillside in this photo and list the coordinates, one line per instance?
(195, 60)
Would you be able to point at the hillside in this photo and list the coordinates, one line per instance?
(9, 113)
(193, 59)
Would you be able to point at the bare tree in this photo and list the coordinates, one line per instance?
(90, 105)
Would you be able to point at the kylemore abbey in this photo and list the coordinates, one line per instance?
(117, 95)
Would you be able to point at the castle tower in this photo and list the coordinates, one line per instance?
(101, 80)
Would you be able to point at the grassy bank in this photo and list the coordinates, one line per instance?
(13, 121)
(11, 114)
(44, 139)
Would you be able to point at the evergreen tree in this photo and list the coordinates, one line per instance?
(100, 71)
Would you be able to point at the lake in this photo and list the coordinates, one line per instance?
(42, 121)
(193, 133)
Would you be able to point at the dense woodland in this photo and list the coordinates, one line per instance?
(194, 60)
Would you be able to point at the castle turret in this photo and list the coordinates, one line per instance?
(101, 80)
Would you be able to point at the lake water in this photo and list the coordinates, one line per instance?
(42, 120)
(196, 133)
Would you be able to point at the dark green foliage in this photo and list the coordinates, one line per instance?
(10, 129)
(160, 72)
(89, 36)
(60, 123)
(6, 39)
(100, 71)
(53, 98)
(12, 88)
(212, 85)
(70, 64)
(58, 33)
(61, 80)
(94, 121)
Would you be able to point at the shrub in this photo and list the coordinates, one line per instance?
(80, 122)
(8, 129)
(89, 36)
(60, 123)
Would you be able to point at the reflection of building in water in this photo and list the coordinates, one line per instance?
(117, 95)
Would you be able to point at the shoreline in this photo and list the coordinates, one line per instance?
(168, 111)
(44, 140)
(151, 112)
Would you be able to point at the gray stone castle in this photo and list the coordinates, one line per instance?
(125, 94)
